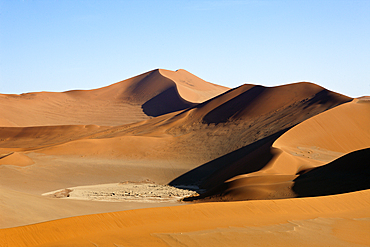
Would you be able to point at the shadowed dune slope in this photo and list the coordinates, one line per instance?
(348, 173)
(230, 122)
(248, 105)
(313, 143)
(250, 102)
(256, 110)
(128, 101)
(257, 101)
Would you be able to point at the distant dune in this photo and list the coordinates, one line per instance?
(150, 94)
(172, 128)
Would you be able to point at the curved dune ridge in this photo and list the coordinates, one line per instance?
(318, 141)
(150, 94)
(173, 128)
(191, 87)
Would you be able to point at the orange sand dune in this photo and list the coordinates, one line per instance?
(89, 160)
(312, 143)
(340, 220)
(15, 158)
(343, 129)
(176, 142)
(249, 101)
(237, 111)
(251, 142)
(128, 101)
(184, 140)
(191, 87)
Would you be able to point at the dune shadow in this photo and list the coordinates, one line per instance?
(6, 155)
(215, 172)
(348, 173)
(323, 97)
(166, 102)
(224, 112)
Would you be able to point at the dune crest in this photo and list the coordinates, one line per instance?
(191, 87)
(132, 100)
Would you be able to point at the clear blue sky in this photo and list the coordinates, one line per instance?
(62, 45)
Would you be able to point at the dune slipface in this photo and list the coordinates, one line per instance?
(317, 142)
(150, 94)
(172, 128)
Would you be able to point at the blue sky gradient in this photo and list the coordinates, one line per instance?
(64, 45)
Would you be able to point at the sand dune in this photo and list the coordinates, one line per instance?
(128, 101)
(180, 141)
(302, 101)
(313, 143)
(15, 158)
(234, 130)
(191, 87)
(343, 129)
(171, 127)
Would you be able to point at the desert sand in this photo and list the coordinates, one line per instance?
(168, 159)
(340, 220)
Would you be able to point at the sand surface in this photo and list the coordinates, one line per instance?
(340, 220)
(105, 167)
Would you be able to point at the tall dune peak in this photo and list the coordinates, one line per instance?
(138, 98)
